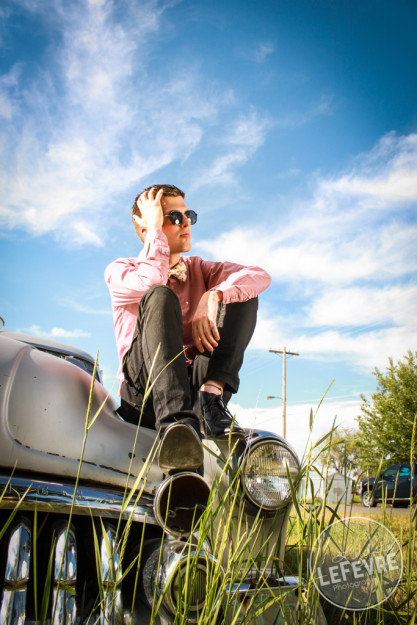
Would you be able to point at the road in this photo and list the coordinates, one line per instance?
(358, 508)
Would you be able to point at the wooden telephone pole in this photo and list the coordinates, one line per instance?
(284, 358)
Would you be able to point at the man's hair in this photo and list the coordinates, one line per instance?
(168, 190)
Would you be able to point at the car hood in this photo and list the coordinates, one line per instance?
(369, 481)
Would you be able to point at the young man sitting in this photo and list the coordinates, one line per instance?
(182, 325)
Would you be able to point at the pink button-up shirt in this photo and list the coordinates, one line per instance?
(129, 279)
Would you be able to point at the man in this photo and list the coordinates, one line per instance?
(182, 325)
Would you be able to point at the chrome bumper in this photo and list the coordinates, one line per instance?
(278, 604)
(59, 497)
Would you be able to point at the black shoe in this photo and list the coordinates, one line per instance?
(180, 448)
(218, 420)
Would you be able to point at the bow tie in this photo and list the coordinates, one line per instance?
(178, 271)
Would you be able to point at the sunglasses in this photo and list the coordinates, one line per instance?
(176, 217)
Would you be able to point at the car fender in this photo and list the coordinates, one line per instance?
(44, 402)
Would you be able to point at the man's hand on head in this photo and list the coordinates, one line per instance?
(150, 207)
(205, 332)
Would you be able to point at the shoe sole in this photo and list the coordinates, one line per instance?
(180, 449)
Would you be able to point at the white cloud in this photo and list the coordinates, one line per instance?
(289, 258)
(321, 251)
(352, 270)
(256, 53)
(301, 117)
(245, 136)
(364, 348)
(5, 107)
(55, 333)
(358, 306)
(87, 309)
(262, 51)
(8, 87)
(335, 236)
(383, 178)
(110, 124)
(298, 420)
(365, 351)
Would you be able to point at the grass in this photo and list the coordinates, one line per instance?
(308, 521)
(242, 547)
(401, 608)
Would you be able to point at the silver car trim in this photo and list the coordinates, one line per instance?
(64, 606)
(16, 578)
(246, 587)
(111, 608)
(58, 497)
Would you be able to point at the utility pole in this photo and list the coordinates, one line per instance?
(284, 397)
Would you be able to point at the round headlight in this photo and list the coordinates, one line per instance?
(264, 474)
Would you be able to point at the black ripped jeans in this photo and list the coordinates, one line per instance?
(156, 358)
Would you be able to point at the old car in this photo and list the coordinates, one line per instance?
(92, 530)
(396, 485)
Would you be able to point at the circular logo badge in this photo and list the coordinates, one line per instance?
(356, 563)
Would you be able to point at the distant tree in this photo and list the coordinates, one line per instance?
(340, 451)
(387, 419)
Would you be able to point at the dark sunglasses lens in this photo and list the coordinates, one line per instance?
(175, 217)
(192, 216)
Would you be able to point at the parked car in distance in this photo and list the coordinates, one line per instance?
(396, 485)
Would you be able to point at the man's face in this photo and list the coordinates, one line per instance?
(179, 237)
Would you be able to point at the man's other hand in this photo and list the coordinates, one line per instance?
(150, 207)
(205, 332)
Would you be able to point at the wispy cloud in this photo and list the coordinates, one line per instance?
(84, 308)
(341, 414)
(359, 306)
(55, 333)
(258, 52)
(8, 87)
(364, 348)
(244, 137)
(110, 126)
(353, 270)
(95, 121)
(324, 106)
(384, 178)
(336, 236)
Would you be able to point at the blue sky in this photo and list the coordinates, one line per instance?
(292, 127)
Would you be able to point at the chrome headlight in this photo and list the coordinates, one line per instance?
(180, 578)
(264, 473)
